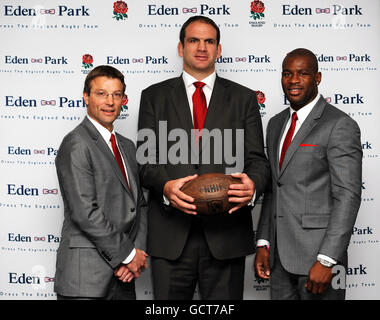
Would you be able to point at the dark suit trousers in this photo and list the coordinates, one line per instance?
(289, 286)
(217, 279)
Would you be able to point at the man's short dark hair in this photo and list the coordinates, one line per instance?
(102, 71)
(202, 19)
(302, 52)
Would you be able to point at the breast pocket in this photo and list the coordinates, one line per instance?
(310, 148)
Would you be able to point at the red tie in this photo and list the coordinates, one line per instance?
(117, 155)
(288, 138)
(199, 107)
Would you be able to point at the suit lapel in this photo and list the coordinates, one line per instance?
(103, 147)
(217, 103)
(181, 104)
(278, 130)
(215, 108)
(126, 154)
(182, 108)
(309, 123)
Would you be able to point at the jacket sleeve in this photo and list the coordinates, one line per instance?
(141, 237)
(256, 165)
(344, 155)
(264, 225)
(153, 175)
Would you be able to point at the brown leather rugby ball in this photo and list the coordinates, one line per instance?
(210, 192)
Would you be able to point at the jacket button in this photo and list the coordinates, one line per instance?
(279, 184)
(133, 209)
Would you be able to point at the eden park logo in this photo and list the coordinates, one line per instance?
(257, 9)
(120, 9)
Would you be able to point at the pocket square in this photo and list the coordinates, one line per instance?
(308, 145)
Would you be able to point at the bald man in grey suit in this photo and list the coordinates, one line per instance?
(104, 228)
(310, 209)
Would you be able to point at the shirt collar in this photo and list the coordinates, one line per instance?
(189, 80)
(305, 110)
(102, 130)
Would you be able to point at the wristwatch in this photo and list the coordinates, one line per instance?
(324, 262)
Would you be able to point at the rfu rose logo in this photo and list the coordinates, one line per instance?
(124, 109)
(124, 104)
(257, 9)
(87, 61)
(120, 9)
(260, 99)
(260, 280)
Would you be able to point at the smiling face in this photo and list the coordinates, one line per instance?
(199, 49)
(104, 109)
(300, 80)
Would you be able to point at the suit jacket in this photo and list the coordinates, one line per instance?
(232, 106)
(313, 201)
(103, 219)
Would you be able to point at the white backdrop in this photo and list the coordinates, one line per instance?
(42, 73)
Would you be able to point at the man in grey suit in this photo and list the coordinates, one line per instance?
(185, 247)
(104, 227)
(310, 209)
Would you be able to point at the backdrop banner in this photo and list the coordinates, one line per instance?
(49, 46)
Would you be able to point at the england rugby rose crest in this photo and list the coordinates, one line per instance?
(120, 9)
(260, 99)
(124, 104)
(124, 109)
(87, 61)
(257, 9)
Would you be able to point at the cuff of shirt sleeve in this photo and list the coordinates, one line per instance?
(252, 202)
(130, 257)
(331, 260)
(262, 243)
(166, 201)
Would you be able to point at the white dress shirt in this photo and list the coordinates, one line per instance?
(190, 88)
(301, 115)
(106, 135)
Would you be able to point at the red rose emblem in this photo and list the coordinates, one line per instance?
(120, 7)
(260, 97)
(125, 100)
(87, 59)
(120, 10)
(257, 6)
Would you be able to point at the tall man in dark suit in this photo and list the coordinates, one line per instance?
(104, 228)
(315, 154)
(187, 248)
